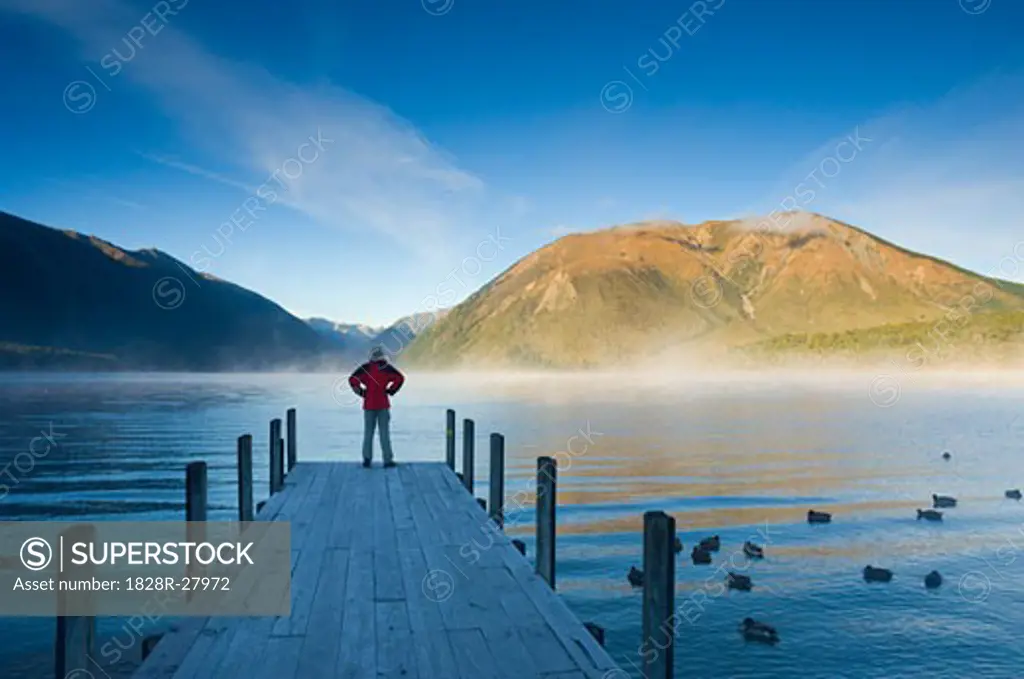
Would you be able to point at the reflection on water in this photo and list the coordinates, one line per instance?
(741, 458)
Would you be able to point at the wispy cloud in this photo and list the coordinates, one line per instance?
(944, 177)
(379, 174)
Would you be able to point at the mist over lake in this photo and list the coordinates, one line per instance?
(742, 456)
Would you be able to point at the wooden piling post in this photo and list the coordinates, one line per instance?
(276, 461)
(281, 461)
(195, 491)
(659, 593)
(546, 500)
(245, 512)
(292, 436)
(467, 454)
(497, 484)
(195, 511)
(449, 439)
(75, 640)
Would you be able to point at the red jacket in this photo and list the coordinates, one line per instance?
(375, 381)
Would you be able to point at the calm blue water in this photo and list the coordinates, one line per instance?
(740, 458)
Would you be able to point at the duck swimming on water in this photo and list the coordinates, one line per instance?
(711, 544)
(635, 577)
(740, 582)
(700, 556)
(678, 546)
(818, 517)
(1013, 494)
(752, 630)
(753, 551)
(929, 514)
(943, 501)
(873, 574)
(946, 455)
(932, 580)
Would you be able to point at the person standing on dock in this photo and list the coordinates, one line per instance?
(374, 381)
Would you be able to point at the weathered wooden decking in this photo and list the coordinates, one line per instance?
(394, 574)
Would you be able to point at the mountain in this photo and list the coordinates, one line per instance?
(652, 290)
(399, 336)
(355, 340)
(75, 301)
(352, 339)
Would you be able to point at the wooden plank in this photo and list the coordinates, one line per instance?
(387, 569)
(472, 656)
(207, 649)
(305, 580)
(313, 524)
(360, 508)
(571, 633)
(395, 656)
(430, 644)
(358, 656)
(168, 655)
(324, 633)
(299, 480)
(281, 658)
(245, 651)
(426, 530)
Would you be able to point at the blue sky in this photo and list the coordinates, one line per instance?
(449, 128)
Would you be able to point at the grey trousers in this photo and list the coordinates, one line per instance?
(382, 420)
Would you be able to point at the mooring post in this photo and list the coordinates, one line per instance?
(293, 453)
(195, 511)
(449, 439)
(276, 463)
(659, 593)
(245, 478)
(281, 462)
(497, 485)
(546, 475)
(75, 640)
(195, 491)
(467, 454)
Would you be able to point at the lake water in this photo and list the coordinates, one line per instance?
(740, 457)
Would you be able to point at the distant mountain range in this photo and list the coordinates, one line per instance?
(652, 291)
(356, 340)
(646, 292)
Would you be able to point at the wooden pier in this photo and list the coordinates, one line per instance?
(396, 573)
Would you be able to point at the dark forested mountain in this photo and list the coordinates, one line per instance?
(68, 300)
